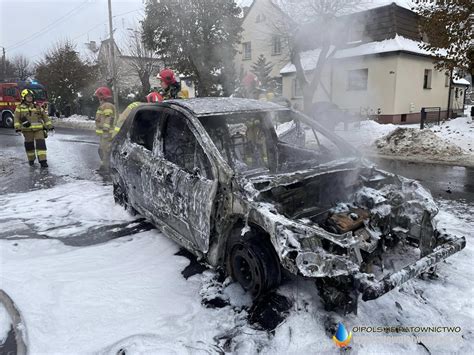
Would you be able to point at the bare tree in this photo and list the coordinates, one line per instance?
(308, 24)
(22, 67)
(142, 60)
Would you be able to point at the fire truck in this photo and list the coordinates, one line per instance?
(10, 98)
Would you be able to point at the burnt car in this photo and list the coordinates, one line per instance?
(213, 175)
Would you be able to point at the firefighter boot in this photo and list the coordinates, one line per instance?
(43, 163)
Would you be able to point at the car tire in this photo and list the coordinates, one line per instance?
(121, 197)
(7, 120)
(254, 264)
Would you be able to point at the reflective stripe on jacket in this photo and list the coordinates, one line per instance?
(104, 120)
(32, 113)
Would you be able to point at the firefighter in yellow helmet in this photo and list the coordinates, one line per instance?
(33, 121)
(104, 125)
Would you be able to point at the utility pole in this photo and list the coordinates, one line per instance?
(112, 61)
(4, 64)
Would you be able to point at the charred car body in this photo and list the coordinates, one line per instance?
(214, 176)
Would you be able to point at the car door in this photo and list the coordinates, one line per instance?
(140, 156)
(184, 181)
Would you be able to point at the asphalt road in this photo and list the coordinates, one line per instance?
(73, 153)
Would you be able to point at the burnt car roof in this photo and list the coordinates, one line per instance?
(208, 106)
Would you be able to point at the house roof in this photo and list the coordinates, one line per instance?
(461, 81)
(397, 44)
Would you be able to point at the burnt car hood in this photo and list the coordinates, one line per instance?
(295, 208)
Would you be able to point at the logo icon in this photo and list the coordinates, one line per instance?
(342, 339)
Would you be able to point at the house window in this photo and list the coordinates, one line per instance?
(297, 90)
(356, 33)
(247, 50)
(427, 79)
(276, 45)
(357, 79)
(446, 79)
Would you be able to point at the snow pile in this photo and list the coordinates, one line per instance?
(416, 142)
(74, 121)
(459, 131)
(364, 134)
(75, 118)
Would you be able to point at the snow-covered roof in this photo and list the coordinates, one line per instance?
(399, 43)
(461, 82)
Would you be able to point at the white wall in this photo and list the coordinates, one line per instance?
(260, 36)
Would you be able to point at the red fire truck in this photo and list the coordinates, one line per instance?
(10, 98)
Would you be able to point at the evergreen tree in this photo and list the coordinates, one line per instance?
(262, 69)
(449, 26)
(64, 73)
(197, 39)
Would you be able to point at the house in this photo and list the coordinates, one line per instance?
(380, 70)
(126, 67)
(260, 37)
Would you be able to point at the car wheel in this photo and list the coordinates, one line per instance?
(254, 265)
(121, 197)
(7, 120)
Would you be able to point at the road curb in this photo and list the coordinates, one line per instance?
(465, 161)
(19, 326)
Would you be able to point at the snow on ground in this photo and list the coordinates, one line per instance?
(459, 131)
(129, 293)
(62, 211)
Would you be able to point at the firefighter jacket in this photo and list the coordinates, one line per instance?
(31, 117)
(123, 116)
(173, 91)
(104, 120)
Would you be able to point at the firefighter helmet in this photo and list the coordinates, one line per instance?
(27, 92)
(154, 97)
(167, 75)
(103, 93)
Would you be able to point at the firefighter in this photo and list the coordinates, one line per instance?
(170, 87)
(31, 120)
(104, 125)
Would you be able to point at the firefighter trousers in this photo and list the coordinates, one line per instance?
(35, 145)
(104, 151)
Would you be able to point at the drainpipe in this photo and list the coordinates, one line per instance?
(448, 114)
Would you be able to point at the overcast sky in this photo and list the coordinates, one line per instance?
(31, 27)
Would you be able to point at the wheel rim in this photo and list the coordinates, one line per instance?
(8, 121)
(247, 269)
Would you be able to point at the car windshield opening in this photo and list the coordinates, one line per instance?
(274, 142)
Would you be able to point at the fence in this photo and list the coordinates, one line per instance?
(430, 114)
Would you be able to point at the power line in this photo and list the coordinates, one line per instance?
(92, 28)
(46, 28)
(102, 23)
